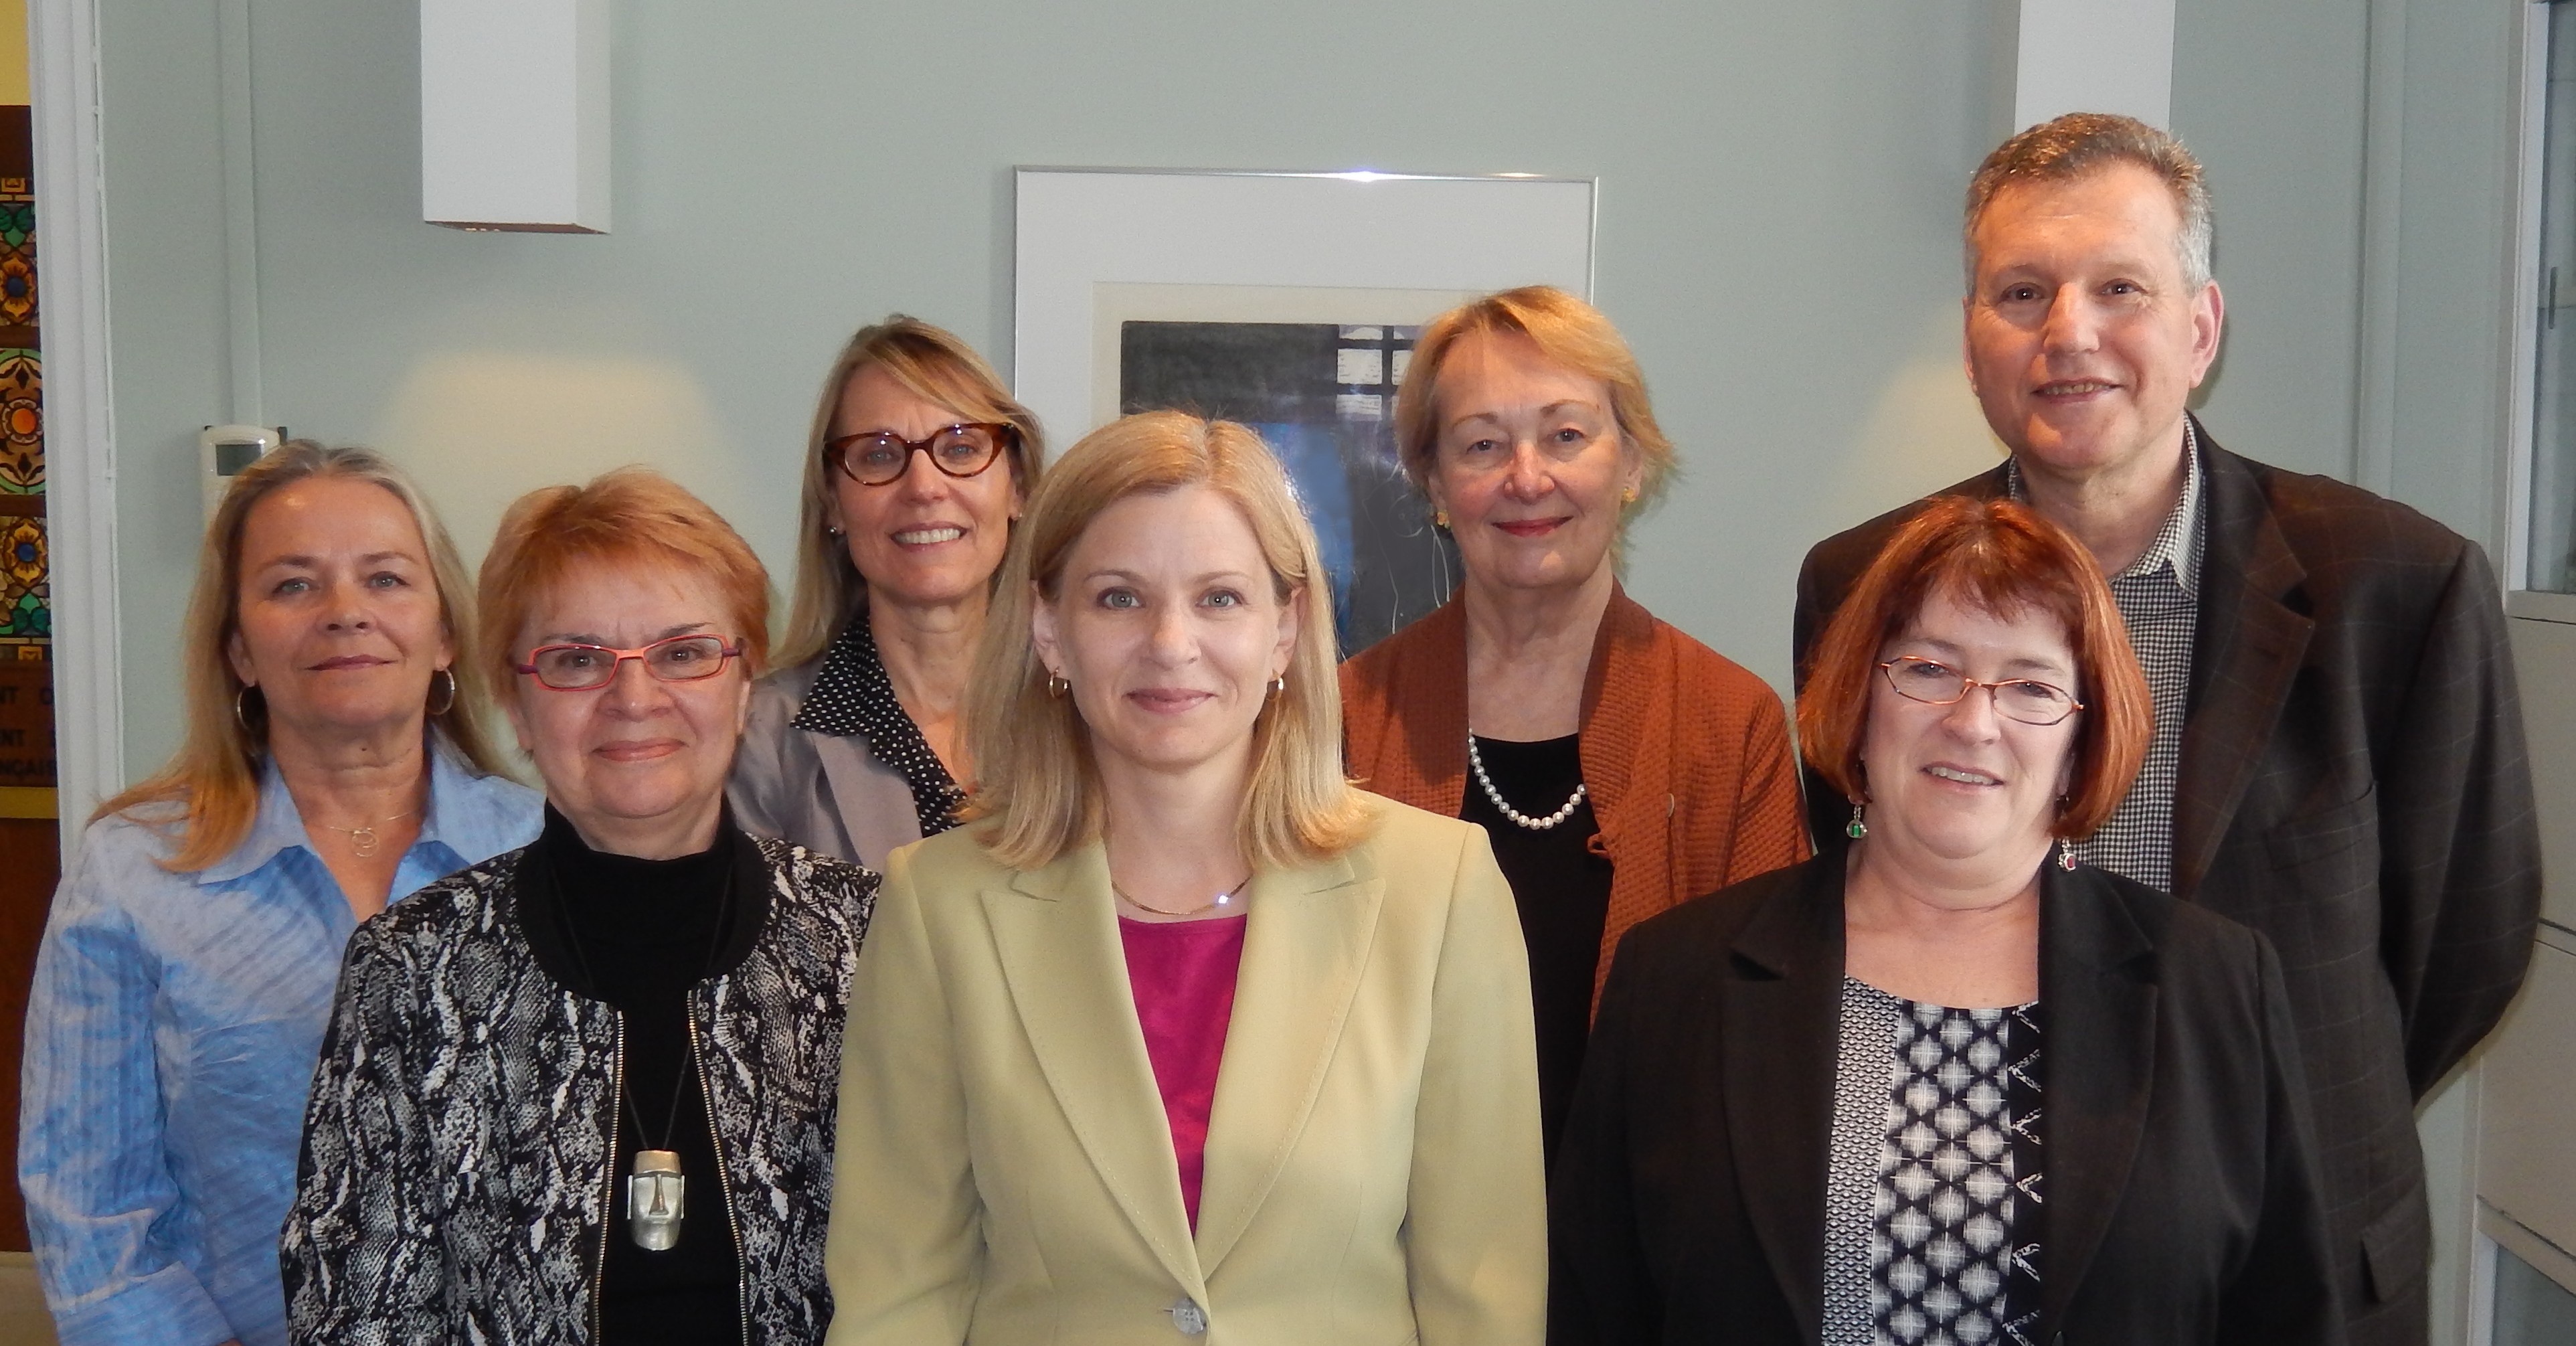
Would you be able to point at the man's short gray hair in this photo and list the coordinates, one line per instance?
(2080, 144)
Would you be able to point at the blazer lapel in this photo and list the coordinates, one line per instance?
(1610, 746)
(849, 767)
(1302, 959)
(2246, 655)
(2098, 1007)
(1430, 692)
(1056, 931)
(1783, 1014)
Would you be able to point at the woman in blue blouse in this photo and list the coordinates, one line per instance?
(333, 764)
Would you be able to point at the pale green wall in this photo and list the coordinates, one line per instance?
(1777, 238)
(1777, 200)
(2271, 97)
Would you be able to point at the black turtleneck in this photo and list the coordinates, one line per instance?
(640, 934)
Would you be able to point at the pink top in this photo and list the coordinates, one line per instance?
(1181, 974)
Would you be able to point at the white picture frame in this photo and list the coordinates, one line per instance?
(1096, 246)
(1288, 302)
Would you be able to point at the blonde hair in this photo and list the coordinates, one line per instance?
(1569, 332)
(214, 777)
(632, 516)
(932, 364)
(1041, 788)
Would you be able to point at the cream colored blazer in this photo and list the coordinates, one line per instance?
(1005, 1171)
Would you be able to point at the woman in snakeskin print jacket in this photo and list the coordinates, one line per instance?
(586, 1091)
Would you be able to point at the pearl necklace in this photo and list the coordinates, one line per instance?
(1477, 760)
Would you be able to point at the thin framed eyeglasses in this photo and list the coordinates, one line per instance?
(880, 457)
(1934, 683)
(587, 668)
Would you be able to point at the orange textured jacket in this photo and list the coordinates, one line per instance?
(1687, 754)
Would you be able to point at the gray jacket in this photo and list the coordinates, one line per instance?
(828, 793)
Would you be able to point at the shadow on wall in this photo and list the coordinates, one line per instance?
(480, 429)
(1925, 432)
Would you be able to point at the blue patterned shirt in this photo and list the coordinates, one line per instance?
(171, 1038)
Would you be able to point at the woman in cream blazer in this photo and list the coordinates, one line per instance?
(1037, 1143)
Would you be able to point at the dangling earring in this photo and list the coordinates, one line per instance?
(443, 704)
(1440, 518)
(2065, 854)
(1856, 828)
(241, 713)
(1056, 685)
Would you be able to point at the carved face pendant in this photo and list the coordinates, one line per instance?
(655, 1200)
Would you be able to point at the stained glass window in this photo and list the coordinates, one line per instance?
(26, 588)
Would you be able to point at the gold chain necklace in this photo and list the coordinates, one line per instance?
(363, 838)
(1220, 900)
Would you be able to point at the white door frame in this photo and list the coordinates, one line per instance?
(80, 422)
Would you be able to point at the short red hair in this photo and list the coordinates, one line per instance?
(2003, 558)
(632, 516)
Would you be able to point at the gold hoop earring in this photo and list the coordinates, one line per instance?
(1056, 685)
(1279, 687)
(442, 704)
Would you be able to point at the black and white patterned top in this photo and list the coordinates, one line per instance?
(2159, 598)
(853, 696)
(458, 1142)
(1933, 1183)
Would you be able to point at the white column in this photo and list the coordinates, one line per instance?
(80, 433)
(2094, 56)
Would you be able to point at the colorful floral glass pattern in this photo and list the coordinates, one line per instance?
(26, 613)
(22, 421)
(24, 579)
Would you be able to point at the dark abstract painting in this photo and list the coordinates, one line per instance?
(1322, 396)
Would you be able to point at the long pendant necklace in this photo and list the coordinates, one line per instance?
(363, 838)
(1212, 904)
(1476, 759)
(656, 1190)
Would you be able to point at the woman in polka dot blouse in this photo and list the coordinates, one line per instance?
(918, 466)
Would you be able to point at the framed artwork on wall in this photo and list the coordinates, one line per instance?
(1289, 302)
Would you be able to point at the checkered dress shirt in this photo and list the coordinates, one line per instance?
(2159, 598)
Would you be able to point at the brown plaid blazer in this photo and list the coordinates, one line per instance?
(2353, 785)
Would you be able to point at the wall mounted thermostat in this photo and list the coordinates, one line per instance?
(224, 450)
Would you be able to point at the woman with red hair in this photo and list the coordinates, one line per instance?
(585, 1091)
(1825, 1105)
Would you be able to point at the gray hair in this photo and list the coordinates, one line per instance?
(2080, 144)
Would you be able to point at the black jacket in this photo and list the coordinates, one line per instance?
(2182, 1201)
(2353, 785)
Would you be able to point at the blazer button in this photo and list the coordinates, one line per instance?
(1189, 1318)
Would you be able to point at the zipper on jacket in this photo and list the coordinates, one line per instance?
(608, 1214)
(724, 1186)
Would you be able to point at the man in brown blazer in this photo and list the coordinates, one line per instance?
(2338, 757)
